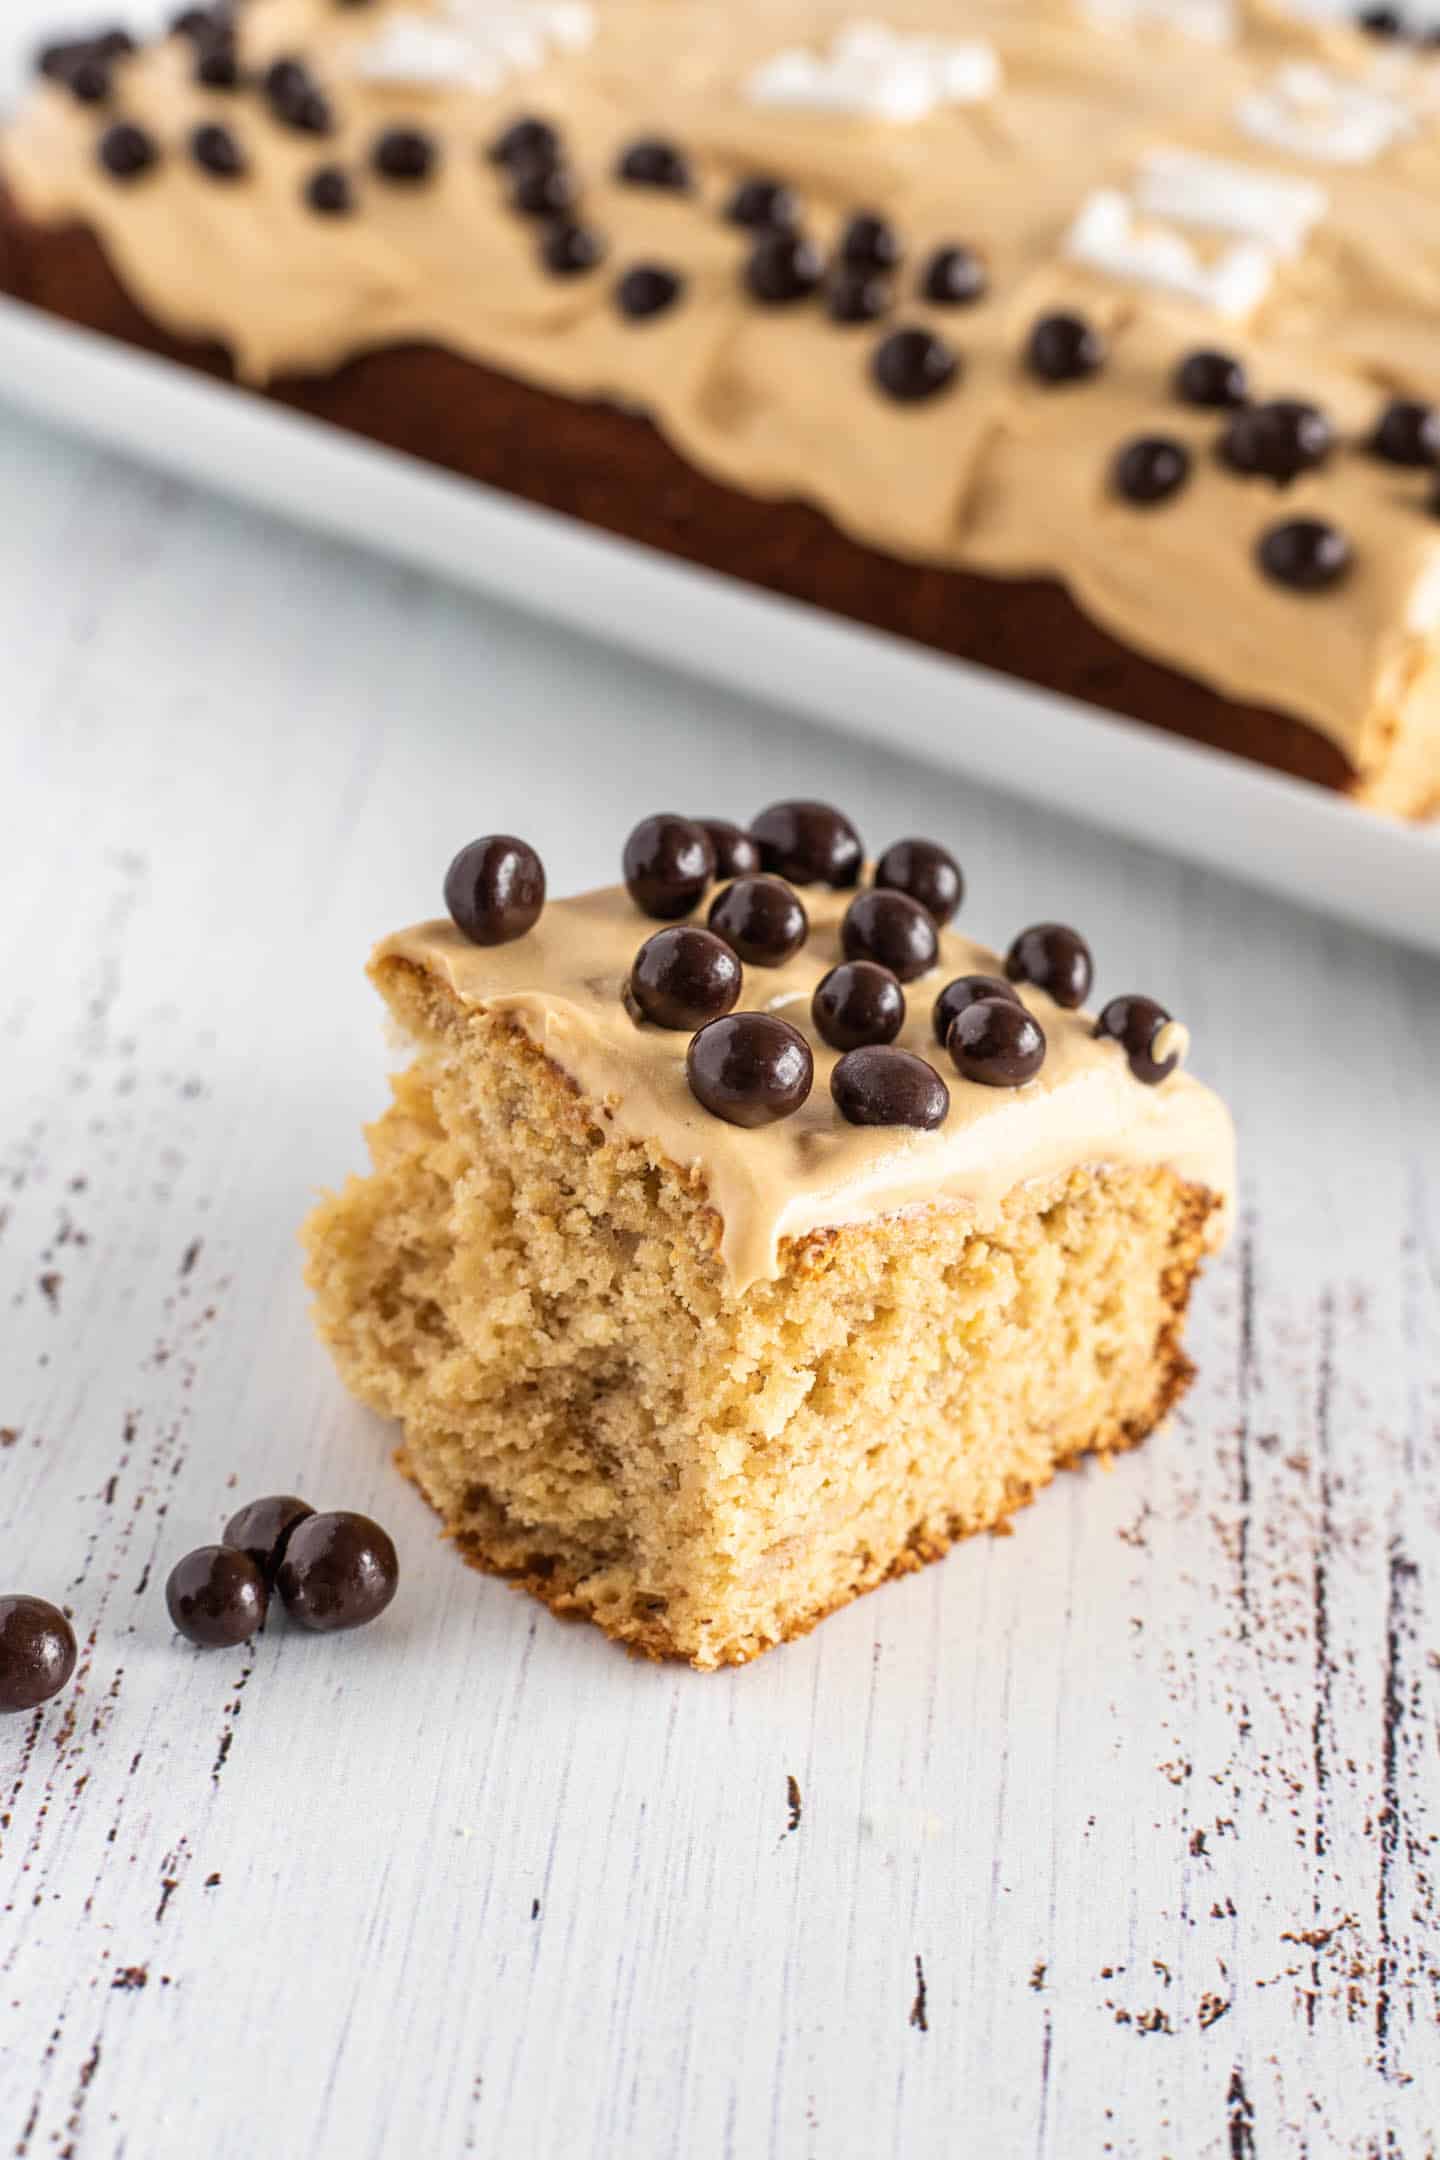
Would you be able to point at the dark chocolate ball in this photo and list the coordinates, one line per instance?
(88, 79)
(894, 930)
(542, 190)
(964, 991)
(339, 1571)
(809, 843)
(527, 141)
(569, 250)
(405, 154)
(1064, 348)
(783, 267)
(762, 203)
(761, 918)
(856, 295)
(1407, 433)
(750, 1068)
(37, 1652)
(1150, 469)
(127, 151)
(1215, 380)
(856, 1004)
(682, 977)
(913, 364)
(216, 1597)
(954, 277)
(263, 1528)
(1134, 1022)
(328, 191)
(1305, 553)
(648, 289)
(736, 854)
(1055, 959)
(217, 153)
(1381, 22)
(926, 871)
(495, 889)
(996, 1043)
(882, 1086)
(217, 64)
(1277, 440)
(668, 864)
(653, 162)
(870, 242)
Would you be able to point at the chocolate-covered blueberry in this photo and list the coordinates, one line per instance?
(810, 843)
(764, 203)
(1277, 440)
(870, 242)
(527, 141)
(668, 863)
(997, 1043)
(1150, 469)
(761, 918)
(1407, 433)
(913, 364)
(856, 1004)
(893, 929)
(495, 889)
(926, 871)
(1211, 379)
(1153, 1043)
(37, 1652)
(736, 854)
(882, 1086)
(783, 267)
(127, 151)
(1063, 348)
(1308, 554)
(958, 996)
(655, 163)
(751, 1069)
(1056, 959)
(404, 154)
(216, 1597)
(954, 277)
(263, 1528)
(646, 290)
(339, 1571)
(682, 977)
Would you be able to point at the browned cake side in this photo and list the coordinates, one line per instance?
(615, 471)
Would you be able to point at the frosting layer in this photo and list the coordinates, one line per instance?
(1301, 234)
(562, 984)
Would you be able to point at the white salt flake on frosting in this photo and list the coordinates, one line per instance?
(471, 43)
(1211, 21)
(1308, 111)
(879, 73)
(1129, 234)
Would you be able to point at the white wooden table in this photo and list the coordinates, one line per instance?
(1117, 1836)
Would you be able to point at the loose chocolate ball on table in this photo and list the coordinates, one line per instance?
(1215, 380)
(1305, 553)
(857, 1004)
(37, 1652)
(339, 1571)
(870, 242)
(495, 889)
(653, 162)
(404, 154)
(926, 871)
(750, 1069)
(881, 1086)
(761, 918)
(913, 364)
(954, 277)
(668, 863)
(894, 930)
(809, 843)
(966, 990)
(527, 141)
(736, 853)
(216, 1597)
(263, 1528)
(682, 977)
(1407, 433)
(783, 267)
(764, 203)
(1277, 440)
(1064, 348)
(1056, 959)
(1153, 1043)
(996, 1043)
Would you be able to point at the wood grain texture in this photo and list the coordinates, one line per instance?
(1115, 1836)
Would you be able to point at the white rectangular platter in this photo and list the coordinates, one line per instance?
(1260, 826)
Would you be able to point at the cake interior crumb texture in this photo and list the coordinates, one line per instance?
(597, 1414)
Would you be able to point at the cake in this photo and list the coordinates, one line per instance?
(1091, 340)
(742, 1236)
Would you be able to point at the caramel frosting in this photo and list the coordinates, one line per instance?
(1184, 172)
(563, 983)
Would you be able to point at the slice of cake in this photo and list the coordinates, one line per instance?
(716, 1274)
